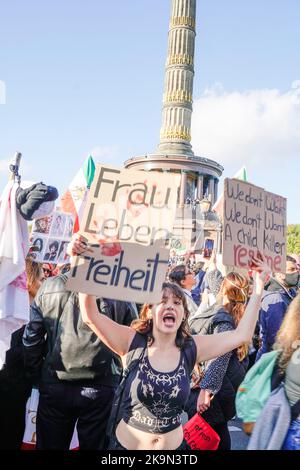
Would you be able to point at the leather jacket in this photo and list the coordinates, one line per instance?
(58, 346)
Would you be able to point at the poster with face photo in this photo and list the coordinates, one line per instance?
(69, 226)
(51, 251)
(58, 224)
(38, 245)
(62, 256)
(42, 225)
(50, 237)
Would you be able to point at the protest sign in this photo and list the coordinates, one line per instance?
(130, 206)
(126, 271)
(254, 223)
(274, 234)
(50, 237)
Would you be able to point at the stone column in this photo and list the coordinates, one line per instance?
(219, 239)
(211, 189)
(175, 134)
(216, 189)
(200, 187)
(182, 192)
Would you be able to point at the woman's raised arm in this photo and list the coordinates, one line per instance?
(212, 346)
(117, 337)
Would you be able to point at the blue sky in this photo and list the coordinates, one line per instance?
(87, 76)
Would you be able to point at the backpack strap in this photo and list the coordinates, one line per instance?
(133, 357)
(277, 375)
(190, 353)
(135, 352)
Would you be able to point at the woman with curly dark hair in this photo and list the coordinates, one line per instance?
(157, 389)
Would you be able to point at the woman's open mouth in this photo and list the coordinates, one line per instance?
(169, 319)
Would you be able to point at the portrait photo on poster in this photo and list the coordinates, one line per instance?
(51, 251)
(42, 225)
(37, 246)
(69, 225)
(58, 224)
(62, 256)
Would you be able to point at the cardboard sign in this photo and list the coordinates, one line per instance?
(254, 222)
(130, 206)
(50, 237)
(124, 272)
(274, 235)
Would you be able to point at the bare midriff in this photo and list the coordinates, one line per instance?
(134, 439)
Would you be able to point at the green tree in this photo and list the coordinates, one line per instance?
(293, 239)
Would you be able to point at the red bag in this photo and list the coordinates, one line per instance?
(200, 435)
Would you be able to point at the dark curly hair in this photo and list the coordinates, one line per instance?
(144, 324)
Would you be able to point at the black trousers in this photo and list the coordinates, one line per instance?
(224, 434)
(62, 405)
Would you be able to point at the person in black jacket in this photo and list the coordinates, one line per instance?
(223, 375)
(15, 389)
(14, 392)
(78, 374)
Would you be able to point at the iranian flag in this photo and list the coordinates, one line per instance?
(73, 200)
(218, 205)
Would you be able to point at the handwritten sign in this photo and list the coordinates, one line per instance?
(124, 272)
(130, 206)
(254, 222)
(274, 234)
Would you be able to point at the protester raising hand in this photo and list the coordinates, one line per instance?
(162, 339)
(211, 346)
(78, 246)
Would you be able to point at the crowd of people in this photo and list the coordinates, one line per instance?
(187, 354)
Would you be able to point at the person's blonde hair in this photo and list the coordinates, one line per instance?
(288, 336)
(236, 288)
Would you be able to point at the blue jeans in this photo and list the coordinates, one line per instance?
(292, 440)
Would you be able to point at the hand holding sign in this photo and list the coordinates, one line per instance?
(262, 273)
(78, 246)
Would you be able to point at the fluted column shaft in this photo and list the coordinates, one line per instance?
(175, 135)
(200, 187)
(211, 189)
(216, 189)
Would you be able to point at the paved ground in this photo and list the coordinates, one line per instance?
(239, 440)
